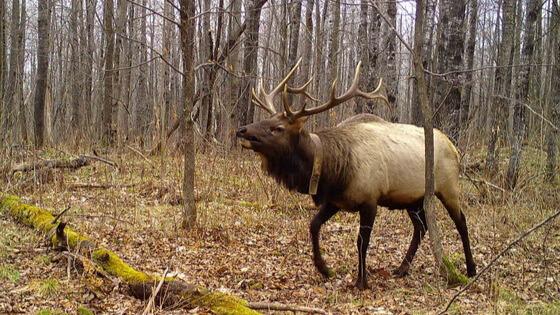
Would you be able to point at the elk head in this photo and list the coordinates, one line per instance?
(281, 131)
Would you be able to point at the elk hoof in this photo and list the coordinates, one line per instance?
(361, 284)
(471, 272)
(400, 272)
(323, 269)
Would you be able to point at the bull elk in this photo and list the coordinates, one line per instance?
(362, 163)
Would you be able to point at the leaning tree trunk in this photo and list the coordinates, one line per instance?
(43, 16)
(522, 93)
(443, 265)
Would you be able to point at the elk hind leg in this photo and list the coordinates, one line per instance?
(418, 218)
(450, 200)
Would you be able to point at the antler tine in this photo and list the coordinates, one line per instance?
(266, 100)
(260, 103)
(303, 90)
(353, 91)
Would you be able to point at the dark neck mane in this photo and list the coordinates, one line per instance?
(293, 169)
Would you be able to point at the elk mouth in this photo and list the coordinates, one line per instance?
(248, 141)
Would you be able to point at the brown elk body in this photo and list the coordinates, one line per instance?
(365, 162)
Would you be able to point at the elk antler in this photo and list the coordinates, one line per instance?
(353, 91)
(265, 100)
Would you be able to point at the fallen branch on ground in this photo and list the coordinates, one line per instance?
(505, 250)
(173, 292)
(77, 186)
(284, 307)
(74, 164)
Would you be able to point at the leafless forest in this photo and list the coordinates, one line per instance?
(118, 121)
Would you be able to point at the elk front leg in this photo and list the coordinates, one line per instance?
(325, 213)
(367, 217)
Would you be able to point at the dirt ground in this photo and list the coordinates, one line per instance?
(252, 241)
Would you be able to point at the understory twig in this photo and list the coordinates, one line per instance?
(491, 263)
(154, 294)
(284, 307)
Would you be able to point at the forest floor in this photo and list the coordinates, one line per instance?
(252, 241)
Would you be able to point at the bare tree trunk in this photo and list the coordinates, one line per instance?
(500, 85)
(423, 101)
(108, 74)
(22, 123)
(307, 38)
(363, 46)
(142, 105)
(391, 74)
(8, 112)
(2, 58)
(552, 135)
(468, 84)
(121, 64)
(450, 58)
(75, 81)
(43, 12)
(88, 64)
(522, 93)
(187, 43)
(246, 108)
(294, 26)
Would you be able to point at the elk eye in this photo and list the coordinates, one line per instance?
(277, 129)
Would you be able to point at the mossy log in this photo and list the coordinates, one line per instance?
(173, 293)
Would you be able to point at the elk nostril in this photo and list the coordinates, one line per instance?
(241, 131)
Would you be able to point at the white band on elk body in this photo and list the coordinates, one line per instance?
(317, 164)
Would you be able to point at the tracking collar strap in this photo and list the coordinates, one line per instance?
(317, 164)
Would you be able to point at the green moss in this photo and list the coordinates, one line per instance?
(82, 310)
(9, 272)
(47, 311)
(454, 276)
(223, 304)
(115, 266)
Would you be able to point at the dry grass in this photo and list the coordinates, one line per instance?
(252, 240)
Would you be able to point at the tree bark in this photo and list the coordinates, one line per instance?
(468, 84)
(42, 70)
(498, 104)
(423, 101)
(391, 76)
(553, 134)
(75, 101)
(522, 94)
(246, 108)
(187, 44)
(450, 58)
(107, 129)
(8, 112)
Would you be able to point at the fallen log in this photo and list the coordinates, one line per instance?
(81, 161)
(173, 292)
